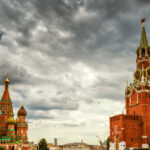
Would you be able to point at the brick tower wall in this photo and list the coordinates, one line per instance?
(127, 128)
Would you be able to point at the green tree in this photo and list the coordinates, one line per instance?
(43, 144)
(108, 143)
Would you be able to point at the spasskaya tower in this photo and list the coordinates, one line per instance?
(132, 130)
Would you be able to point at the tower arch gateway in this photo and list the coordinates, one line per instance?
(133, 128)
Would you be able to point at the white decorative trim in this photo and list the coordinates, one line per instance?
(134, 104)
(144, 137)
(145, 146)
(122, 145)
(122, 128)
(143, 91)
(112, 146)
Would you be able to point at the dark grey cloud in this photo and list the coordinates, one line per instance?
(15, 73)
(61, 54)
(54, 104)
(37, 116)
(1, 34)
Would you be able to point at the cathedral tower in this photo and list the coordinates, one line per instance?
(13, 133)
(22, 125)
(11, 128)
(5, 108)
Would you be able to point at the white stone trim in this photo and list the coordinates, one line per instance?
(134, 104)
(122, 128)
(145, 146)
(144, 137)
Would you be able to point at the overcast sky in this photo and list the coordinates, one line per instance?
(68, 62)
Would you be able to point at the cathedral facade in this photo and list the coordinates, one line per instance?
(13, 132)
(132, 130)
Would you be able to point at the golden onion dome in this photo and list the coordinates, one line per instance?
(11, 120)
(6, 80)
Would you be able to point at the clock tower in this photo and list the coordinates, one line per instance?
(142, 72)
(132, 130)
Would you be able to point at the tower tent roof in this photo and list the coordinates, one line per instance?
(6, 91)
(143, 41)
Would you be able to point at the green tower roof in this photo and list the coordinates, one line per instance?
(143, 41)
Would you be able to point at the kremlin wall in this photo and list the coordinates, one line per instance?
(132, 130)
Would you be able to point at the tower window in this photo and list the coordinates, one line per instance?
(148, 51)
(143, 52)
(138, 54)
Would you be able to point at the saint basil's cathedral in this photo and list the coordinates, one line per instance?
(132, 130)
(13, 133)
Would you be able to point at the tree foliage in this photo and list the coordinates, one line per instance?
(108, 143)
(43, 144)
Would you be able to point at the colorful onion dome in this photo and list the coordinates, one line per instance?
(11, 120)
(22, 111)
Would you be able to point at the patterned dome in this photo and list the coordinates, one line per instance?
(22, 111)
(11, 120)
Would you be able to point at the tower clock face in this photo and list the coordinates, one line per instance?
(148, 72)
(137, 75)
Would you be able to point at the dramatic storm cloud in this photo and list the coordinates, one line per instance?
(68, 62)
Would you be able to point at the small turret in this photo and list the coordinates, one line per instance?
(11, 128)
(11, 120)
(22, 111)
(22, 125)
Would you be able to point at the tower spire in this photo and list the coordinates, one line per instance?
(6, 92)
(143, 41)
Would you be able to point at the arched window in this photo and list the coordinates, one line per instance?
(143, 52)
(148, 51)
(138, 54)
